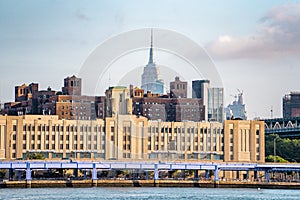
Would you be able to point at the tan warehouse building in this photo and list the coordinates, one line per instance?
(125, 137)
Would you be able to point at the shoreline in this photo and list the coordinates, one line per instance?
(146, 183)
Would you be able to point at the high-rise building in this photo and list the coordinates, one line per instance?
(178, 88)
(216, 104)
(150, 77)
(291, 105)
(200, 91)
(212, 98)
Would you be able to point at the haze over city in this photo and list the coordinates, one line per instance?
(254, 45)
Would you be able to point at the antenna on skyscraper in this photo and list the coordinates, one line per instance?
(151, 49)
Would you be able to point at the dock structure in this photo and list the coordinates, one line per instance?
(216, 167)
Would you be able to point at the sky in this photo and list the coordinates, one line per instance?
(254, 45)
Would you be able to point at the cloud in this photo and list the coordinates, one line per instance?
(277, 34)
(81, 15)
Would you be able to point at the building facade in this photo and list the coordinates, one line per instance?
(291, 105)
(212, 98)
(215, 109)
(245, 141)
(178, 89)
(128, 137)
(67, 104)
(166, 108)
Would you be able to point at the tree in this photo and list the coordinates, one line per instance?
(270, 158)
(286, 148)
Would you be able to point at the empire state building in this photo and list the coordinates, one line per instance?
(150, 76)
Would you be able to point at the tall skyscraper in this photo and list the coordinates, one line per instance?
(150, 76)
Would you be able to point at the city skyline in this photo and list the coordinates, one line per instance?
(256, 53)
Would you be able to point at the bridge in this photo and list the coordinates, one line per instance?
(30, 166)
(284, 127)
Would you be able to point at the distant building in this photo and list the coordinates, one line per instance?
(117, 101)
(200, 91)
(216, 104)
(150, 77)
(166, 108)
(291, 105)
(72, 86)
(213, 99)
(178, 89)
(67, 104)
(237, 109)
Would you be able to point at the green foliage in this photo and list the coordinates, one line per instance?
(36, 156)
(270, 158)
(288, 149)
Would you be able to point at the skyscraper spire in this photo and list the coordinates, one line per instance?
(151, 49)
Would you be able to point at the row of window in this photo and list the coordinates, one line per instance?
(182, 130)
(61, 128)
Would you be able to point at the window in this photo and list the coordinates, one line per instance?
(231, 157)
(257, 132)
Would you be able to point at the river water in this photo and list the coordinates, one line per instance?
(146, 193)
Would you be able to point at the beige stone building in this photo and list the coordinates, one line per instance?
(54, 138)
(128, 137)
(245, 141)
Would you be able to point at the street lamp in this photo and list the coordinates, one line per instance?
(274, 141)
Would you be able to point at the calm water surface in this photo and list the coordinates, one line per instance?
(146, 193)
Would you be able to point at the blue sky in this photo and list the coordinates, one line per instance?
(254, 44)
